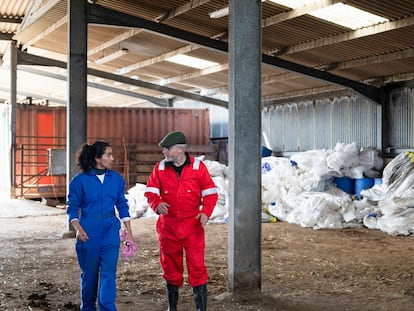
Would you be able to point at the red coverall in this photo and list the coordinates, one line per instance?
(180, 229)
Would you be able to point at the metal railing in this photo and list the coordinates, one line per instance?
(33, 170)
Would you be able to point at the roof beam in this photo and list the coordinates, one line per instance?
(101, 15)
(104, 16)
(157, 101)
(28, 59)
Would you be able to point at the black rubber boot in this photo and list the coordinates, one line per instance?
(200, 297)
(172, 297)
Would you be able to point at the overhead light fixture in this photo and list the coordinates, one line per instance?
(112, 56)
(220, 13)
(190, 61)
(338, 13)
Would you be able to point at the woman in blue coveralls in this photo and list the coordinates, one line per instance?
(93, 195)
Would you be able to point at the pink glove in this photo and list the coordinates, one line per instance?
(129, 248)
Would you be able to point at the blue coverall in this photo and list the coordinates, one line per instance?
(93, 203)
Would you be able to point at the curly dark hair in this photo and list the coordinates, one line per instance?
(88, 153)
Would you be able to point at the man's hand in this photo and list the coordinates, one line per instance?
(203, 218)
(162, 208)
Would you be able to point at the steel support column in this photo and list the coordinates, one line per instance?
(13, 106)
(76, 109)
(244, 240)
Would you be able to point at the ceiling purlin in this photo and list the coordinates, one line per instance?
(304, 94)
(350, 35)
(10, 19)
(299, 11)
(45, 32)
(196, 74)
(158, 58)
(369, 60)
(180, 10)
(37, 11)
(124, 36)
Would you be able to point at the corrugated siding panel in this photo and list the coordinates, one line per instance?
(306, 133)
(364, 122)
(322, 129)
(135, 125)
(148, 125)
(322, 124)
(402, 118)
(276, 128)
(292, 127)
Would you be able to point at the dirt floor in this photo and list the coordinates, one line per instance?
(302, 269)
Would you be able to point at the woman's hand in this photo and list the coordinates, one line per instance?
(81, 235)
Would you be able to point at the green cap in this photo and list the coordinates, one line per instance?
(172, 138)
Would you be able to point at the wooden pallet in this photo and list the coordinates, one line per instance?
(143, 157)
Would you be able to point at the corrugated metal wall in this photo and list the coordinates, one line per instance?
(319, 124)
(402, 118)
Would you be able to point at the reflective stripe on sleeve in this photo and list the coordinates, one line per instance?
(153, 190)
(208, 191)
(196, 164)
(161, 167)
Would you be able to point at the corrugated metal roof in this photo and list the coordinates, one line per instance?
(374, 55)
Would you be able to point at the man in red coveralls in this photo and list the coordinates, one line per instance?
(180, 190)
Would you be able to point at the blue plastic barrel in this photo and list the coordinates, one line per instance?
(362, 184)
(266, 152)
(346, 184)
(378, 181)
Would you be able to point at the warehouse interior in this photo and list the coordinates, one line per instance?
(134, 50)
